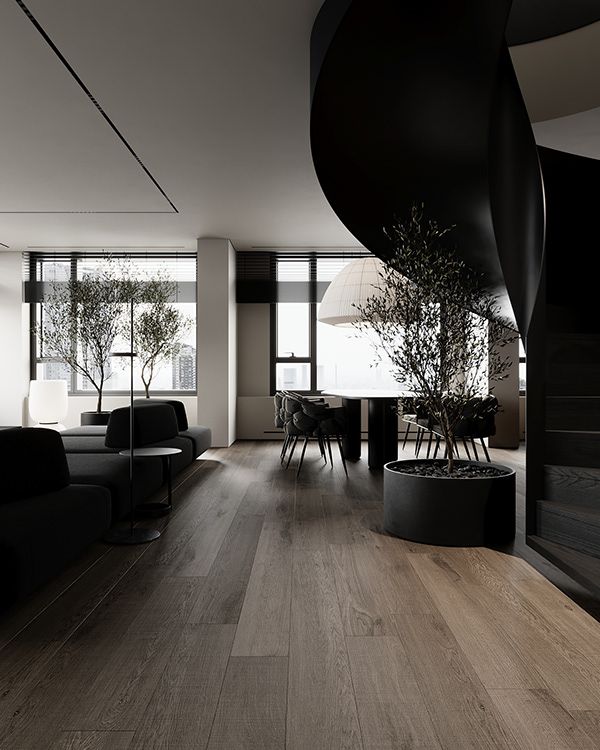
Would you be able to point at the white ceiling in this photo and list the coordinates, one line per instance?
(213, 96)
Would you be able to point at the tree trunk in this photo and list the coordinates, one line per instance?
(147, 389)
(99, 404)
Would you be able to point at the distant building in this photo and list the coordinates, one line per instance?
(184, 369)
(56, 371)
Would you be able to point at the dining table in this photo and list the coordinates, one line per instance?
(382, 428)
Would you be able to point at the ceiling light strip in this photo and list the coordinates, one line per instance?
(88, 93)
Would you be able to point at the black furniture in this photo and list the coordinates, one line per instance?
(92, 452)
(477, 422)
(166, 454)
(383, 424)
(46, 519)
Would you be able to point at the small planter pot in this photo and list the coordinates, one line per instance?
(457, 512)
(94, 418)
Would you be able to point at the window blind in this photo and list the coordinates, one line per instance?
(288, 277)
(43, 270)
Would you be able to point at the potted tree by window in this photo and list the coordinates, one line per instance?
(443, 332)
(158, 327)
(81, 319)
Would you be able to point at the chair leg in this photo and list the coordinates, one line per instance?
(406, 435)
(286, 442)
(429, 444)
(292, 451)
(474, 449)
(466, 447)
(339, 442)
(302, 456)
(485, 450)
(456, 452)
(322, 447)
(418, 441)
(330, 455)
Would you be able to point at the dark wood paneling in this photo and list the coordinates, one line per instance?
(578, 528)
(564, 448)
(573, 412)
(572, 485)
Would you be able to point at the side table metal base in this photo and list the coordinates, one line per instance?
(131, 536)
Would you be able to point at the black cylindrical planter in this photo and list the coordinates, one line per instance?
(465, 512)
(94, 418)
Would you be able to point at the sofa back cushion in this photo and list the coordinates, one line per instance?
(178, 406)
(32, 462)
(152, 423)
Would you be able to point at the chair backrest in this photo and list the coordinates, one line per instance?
(152, 423)
(279, 411)
(32, 462)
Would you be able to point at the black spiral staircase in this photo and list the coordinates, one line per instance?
(419, 103)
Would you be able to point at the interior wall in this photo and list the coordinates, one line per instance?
(254, 403)
(508, 428)
(217, 339)
(14, 341)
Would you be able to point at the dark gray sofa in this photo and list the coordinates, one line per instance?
(47, 519)
(92, 451)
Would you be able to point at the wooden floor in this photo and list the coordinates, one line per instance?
(273, 614)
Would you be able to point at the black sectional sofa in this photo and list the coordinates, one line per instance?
(61, 491)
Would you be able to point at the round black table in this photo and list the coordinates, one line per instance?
(156, 509)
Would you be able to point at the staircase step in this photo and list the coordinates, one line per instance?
(573, 413)
(572, 448)
(574, 526)
(572, 485)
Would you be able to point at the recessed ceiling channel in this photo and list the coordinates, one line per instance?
(172, 208)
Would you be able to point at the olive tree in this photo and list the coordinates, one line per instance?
(158, 327)
(82, 318)
(434, 319)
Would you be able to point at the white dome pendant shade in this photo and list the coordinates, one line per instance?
(354, 285)
(48, 402)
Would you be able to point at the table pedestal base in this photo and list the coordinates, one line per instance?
(383, 431)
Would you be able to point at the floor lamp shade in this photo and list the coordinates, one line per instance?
(48, 401)
(353, 285)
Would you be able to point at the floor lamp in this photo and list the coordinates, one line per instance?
(133, 535)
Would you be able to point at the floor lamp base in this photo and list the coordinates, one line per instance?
(131, 536)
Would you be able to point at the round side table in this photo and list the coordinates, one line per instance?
(156, 509)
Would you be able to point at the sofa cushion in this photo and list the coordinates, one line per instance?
(112, 471)
(40, 535)
(179, 460)
(200, 437)
(178, 407)
(32, 462)
(151, 424)
(85, 444)
(90, 430)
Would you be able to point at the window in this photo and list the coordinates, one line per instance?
(175, 375)
(309, 356)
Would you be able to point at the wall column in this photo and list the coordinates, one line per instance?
(508, 433)
(14, 341)
(216, 324)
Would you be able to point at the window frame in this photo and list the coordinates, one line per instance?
(312, 333)
(34, 266)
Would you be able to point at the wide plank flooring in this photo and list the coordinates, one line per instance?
(273, 613)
